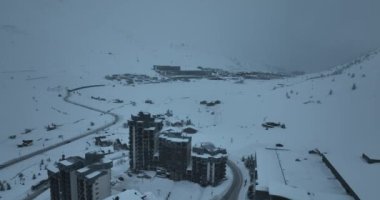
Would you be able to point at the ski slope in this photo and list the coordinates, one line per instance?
(47, 47)
(342, 124)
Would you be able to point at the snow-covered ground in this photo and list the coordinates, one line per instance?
(161, 187)
(341, 123)
(40, 57)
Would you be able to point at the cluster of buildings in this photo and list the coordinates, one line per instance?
(175, 72)
(80, 178)
(152, 149)
(169, 153)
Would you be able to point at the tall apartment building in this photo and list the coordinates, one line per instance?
(76, 178)
(174, 154)
(144, 131)
(94, 181)
(63, 179)
(150, 148)
(208, 164)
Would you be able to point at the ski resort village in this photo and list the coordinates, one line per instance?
(203, 136)
(151, 100)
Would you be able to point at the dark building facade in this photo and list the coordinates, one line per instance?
(54, 180)
(208, 164)
(151, 149)
(144, 131)
(176, 72)
(94, 181)
(174, 154)
(63, 179)
(68, 181)
(166, 68)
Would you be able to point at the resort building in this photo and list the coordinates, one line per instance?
(144, 130)
(76, 178)
(174, 154)
(208, 164)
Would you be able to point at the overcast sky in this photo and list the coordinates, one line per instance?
(308, 35)
(312, 35)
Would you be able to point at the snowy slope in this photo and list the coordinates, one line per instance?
(118, 35)
(55, 45)
(342, 124)
(140, 33)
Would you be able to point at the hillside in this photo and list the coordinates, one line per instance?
(236, 35)
(58, 45)
(323, 111)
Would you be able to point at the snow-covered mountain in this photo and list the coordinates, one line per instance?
(214, 33)
(336, 111)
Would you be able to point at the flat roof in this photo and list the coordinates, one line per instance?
(93, 174)
(84, 169)
(66, 163)
(150, 128)
(363, 178)
(175, 137)
(53, 169)
(206, 155)
(288, 191)
(268, 169)
(293, 174)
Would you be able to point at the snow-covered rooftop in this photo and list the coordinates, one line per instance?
(287, 191)
(84, 169)
(150, 128)
(53, 169)
(132, 195)
(354, 173)
(175, 137)
(295, 175)
(66, 163)
(93, 174)
(208, 150)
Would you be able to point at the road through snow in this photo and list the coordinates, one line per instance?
(115, 117)
(234, 190)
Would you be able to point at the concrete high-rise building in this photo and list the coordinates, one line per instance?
(94, 181)
(174, 154)
(170, 153)
(76, 178)
(144, 130)
(208, 164)
(63, 179)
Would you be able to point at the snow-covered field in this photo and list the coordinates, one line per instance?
(341, 123)
(41, 56)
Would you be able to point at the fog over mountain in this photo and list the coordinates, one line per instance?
(288, 34)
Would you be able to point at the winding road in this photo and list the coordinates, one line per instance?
(233, 192)
(115, 117)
